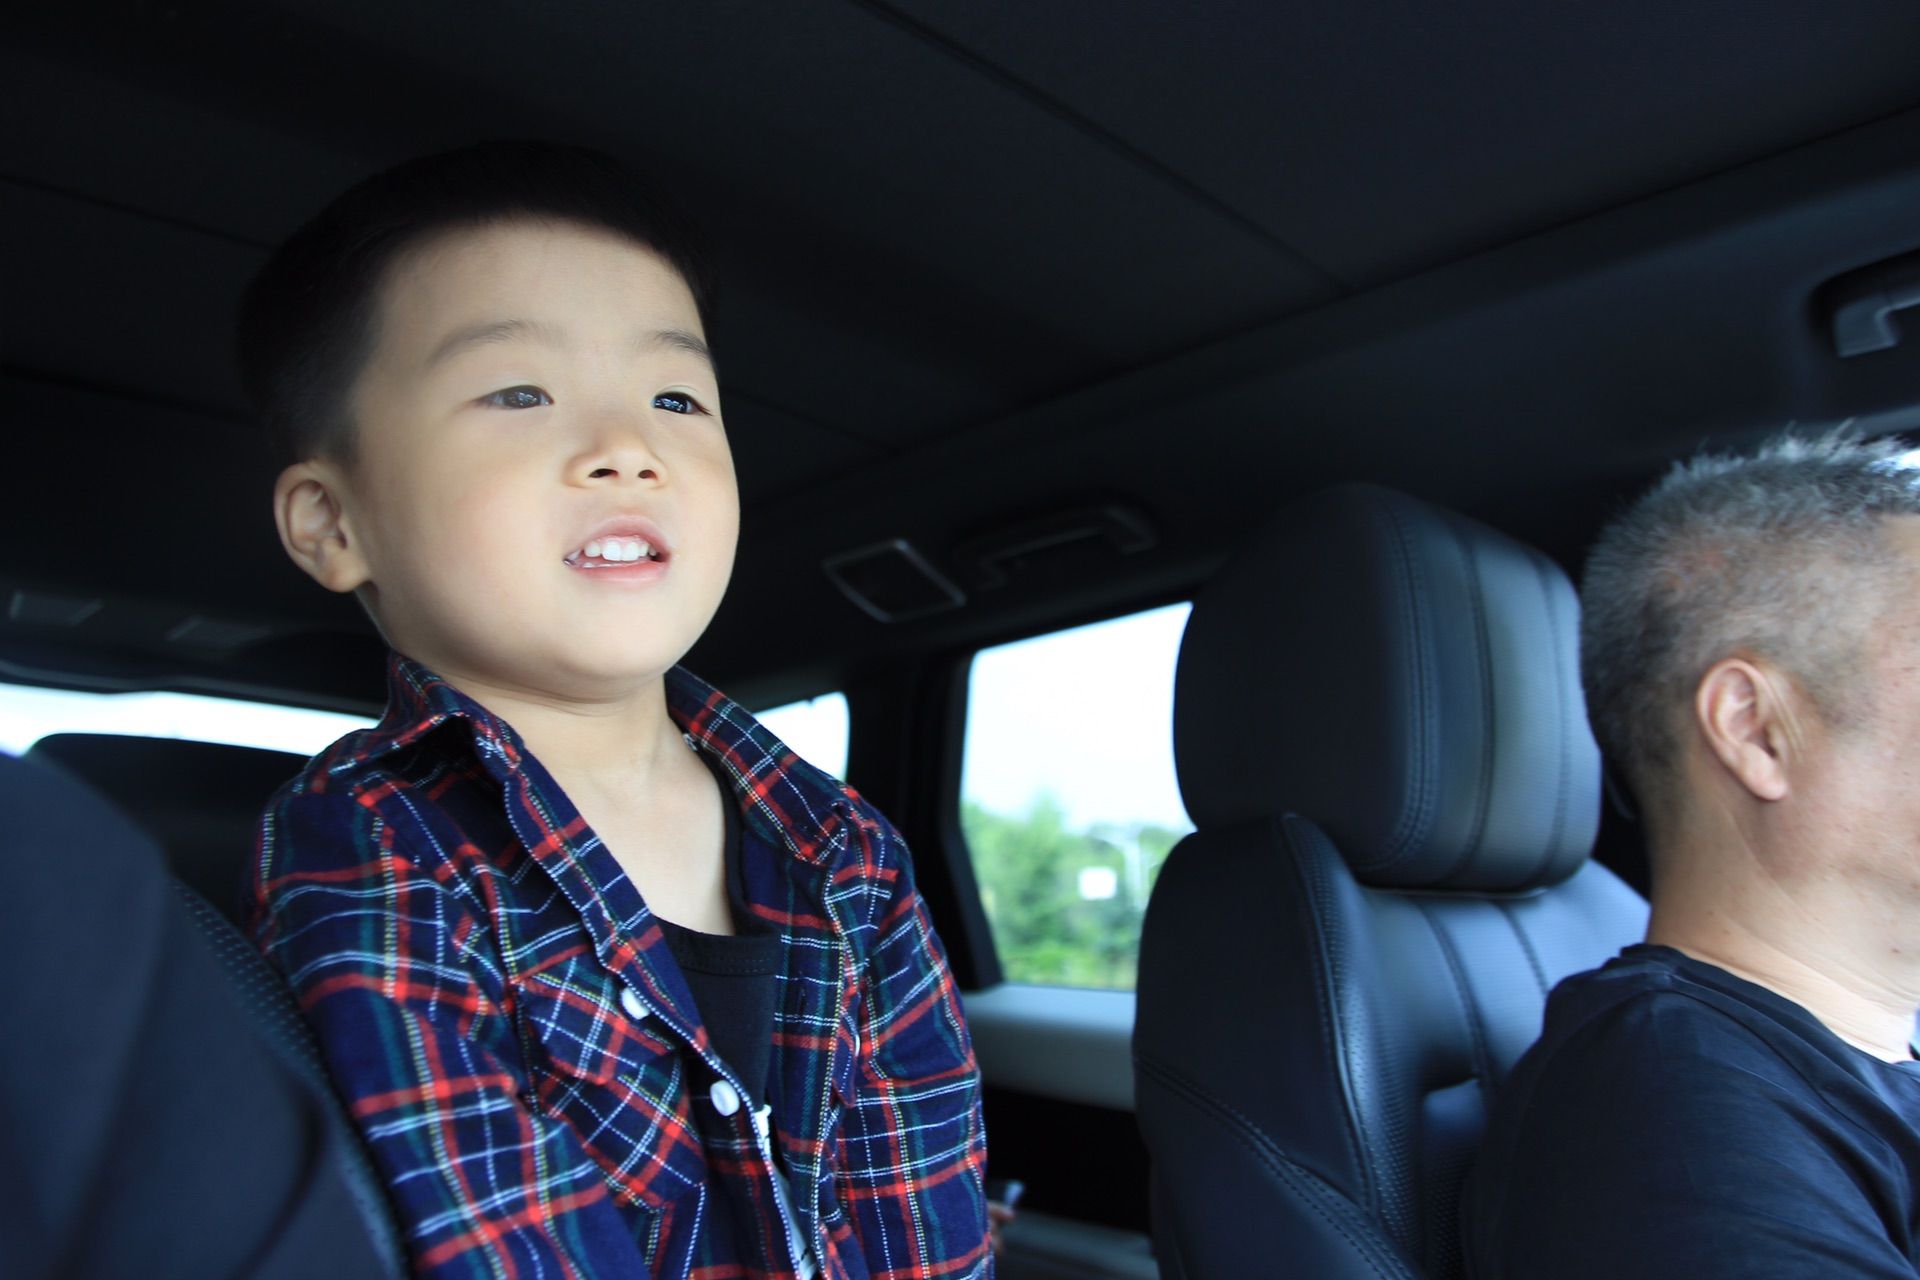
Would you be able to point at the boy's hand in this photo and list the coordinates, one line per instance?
(1003, 1194)
(998, 1216)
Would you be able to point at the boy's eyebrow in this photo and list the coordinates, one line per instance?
(479, 335)
(681, 340)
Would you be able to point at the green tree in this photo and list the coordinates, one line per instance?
(1030, 871)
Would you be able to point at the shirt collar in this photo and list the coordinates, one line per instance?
(783, 798)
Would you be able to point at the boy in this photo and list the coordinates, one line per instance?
(615, 985)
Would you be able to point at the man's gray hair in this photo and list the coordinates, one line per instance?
(1777, 555)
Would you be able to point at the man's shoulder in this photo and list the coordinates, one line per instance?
(1648, 1014)
(1673, 1112)
(1632, 997)
(1648, 1063)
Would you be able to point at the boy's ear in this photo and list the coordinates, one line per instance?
(314, 527)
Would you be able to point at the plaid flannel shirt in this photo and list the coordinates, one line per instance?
(511, 1033)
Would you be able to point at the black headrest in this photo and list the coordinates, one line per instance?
(1405, 677)
(200, 801)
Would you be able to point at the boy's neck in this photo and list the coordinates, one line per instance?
(626, 745)
(625, 766)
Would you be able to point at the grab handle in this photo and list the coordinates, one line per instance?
(1864, 303)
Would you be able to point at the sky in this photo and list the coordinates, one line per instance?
(26, 714)
(1085, 714)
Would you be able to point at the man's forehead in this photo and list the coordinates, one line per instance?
(1903, 531)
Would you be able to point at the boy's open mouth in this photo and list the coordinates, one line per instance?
(611, 553)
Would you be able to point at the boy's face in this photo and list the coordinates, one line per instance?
(536, 391)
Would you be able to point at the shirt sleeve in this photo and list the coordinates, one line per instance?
(400, 981)
(914, 1138)
(1663, 1152)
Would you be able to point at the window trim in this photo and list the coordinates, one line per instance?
(1073, 1044)
(956, 852)
(907, 732)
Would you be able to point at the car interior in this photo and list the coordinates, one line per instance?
(1342, 327)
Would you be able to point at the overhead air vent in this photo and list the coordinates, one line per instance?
(46, 609)
(218, 635)
(132, 622)
(892, 582)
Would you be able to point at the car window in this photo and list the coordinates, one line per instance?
(1068, 798)
(28, 714)
(816, 729)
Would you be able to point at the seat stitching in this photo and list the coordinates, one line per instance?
(1313, 884)
(1483, 655)
(1526, 944)
(1310, 1189)
(1411, 826)
(1482, 1054)
(1562, 722)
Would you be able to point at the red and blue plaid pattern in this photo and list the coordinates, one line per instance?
(502, 1013)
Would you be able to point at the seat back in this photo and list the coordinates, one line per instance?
(201, 803)
(1381, 740)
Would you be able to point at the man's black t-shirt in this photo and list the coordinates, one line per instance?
(1675, 1120)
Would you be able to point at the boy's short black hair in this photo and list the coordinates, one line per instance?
(306, 324)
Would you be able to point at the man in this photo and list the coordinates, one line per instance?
(1737, 1095)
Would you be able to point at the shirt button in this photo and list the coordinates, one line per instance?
(631, 1003)
(726, 1098)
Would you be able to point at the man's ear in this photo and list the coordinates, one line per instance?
(314, 527)
(1746, 713)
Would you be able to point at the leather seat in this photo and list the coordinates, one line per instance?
(1381, 739)
(200, 801)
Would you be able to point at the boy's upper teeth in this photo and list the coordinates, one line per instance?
(618, 549)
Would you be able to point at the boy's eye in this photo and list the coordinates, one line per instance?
(675, 402)
(518, 398)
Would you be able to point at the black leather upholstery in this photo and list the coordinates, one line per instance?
(164, 1113)
(1380, 736)
(274, 1016)
(1405, 676)
(200, 801)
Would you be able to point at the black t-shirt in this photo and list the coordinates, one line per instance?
(1675, 1120)
(734, 978)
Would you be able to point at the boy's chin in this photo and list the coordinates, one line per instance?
(593, 664)
(603, 673)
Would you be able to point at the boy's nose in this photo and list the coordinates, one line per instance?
(614, 473)
(616, 454)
